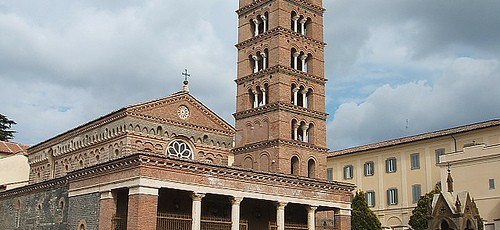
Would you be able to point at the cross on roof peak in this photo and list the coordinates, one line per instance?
(186, 74)
(185, 86)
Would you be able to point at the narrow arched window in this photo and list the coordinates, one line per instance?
(294, 166)
(311, 168)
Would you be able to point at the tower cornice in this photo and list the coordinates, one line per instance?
(273, 33)
(280, 106)
(281, 69)
(260, 3)
(276, 142)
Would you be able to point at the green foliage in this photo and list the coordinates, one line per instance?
(363, 217)
(419, 219)
(5, 132)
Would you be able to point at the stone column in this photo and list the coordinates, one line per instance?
(342, 219)
(295, 20)
(235, 213)
(256, 31)
(142, 208)
(311, 217)
(264, 20)
(296, 60)
(304, 133)
(264, 60)
(295, 131)
(255, 99)
(280, 215)
(304, 94)
(303, 59)
(107, 210)
(264, 96)
(256, 63)
(303, 26)
(295, 92)
(196, 212)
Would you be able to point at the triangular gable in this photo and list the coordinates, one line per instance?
(168, 109)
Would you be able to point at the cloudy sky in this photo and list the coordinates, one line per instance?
(395, 68)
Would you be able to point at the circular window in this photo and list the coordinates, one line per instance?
(179, 149)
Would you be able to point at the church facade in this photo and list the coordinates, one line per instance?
(172, 163)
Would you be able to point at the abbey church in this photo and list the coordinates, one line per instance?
(172, 163)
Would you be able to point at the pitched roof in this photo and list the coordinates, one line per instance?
(12, 148)
(419, 137)
(128, 108)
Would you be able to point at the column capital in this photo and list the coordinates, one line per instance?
(303, 57)
(255, 57)
(263, 54)
(236, 200)
(143, 190)
(303, 20)
(305, 127)
(296, 54)
(296, 89)
(255, 21)
(107, 194)
(312, 208)
(281, 205)
(296, 17)
(197, 196)
(263, 17)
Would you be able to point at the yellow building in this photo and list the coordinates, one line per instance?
(14, 168)
(478, 168)
(395, 173)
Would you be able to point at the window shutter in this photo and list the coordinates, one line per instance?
(386, 165)
(395, 196)
(388, 196)
(395, 165)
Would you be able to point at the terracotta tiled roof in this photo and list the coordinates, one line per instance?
(419, 137)
(12, 148)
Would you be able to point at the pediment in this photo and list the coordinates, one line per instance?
(183, 109)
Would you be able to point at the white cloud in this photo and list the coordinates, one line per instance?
(465, 93)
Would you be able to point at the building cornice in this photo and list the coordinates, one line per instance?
(276, 32)
(140, 159)
(281, 69)
(261, 3)
(42, 186)
(276, 142)
(280, 106)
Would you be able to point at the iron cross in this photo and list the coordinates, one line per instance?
(186, 74)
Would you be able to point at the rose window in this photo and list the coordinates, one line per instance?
(179, 149)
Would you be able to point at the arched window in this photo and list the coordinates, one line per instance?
(294, 22)
(294, 166)
(295, 126)
(179, 148)
(311, 168)
(310, 133)
(444, 225)
(248, 162)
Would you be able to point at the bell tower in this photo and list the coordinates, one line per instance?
(280, 107)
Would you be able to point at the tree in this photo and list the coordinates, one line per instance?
(5, 124)
(419, 220)
(363, 217)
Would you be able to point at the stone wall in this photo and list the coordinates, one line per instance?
(39, 206)
(84, 210)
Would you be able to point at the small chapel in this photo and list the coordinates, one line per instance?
(173, 163)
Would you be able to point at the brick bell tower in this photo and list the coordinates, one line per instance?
(280, 107)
